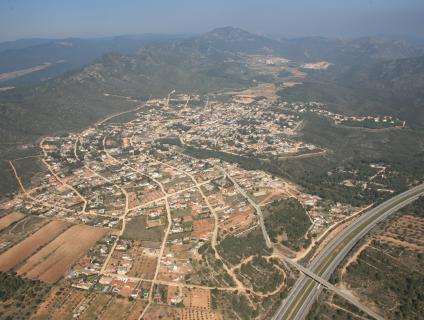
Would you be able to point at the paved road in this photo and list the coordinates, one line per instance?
(253, 204)
(305, 291)
(319, 281)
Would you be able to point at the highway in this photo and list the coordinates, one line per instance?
(303, 294)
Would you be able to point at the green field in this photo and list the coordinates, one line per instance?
(136, 230)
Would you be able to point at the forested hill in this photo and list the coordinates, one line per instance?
(393, 87)
(76, 99)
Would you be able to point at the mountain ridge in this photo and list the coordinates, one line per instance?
(207, 62)
(70, 53)
(392, 87)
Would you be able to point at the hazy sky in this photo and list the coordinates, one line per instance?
(89, 18)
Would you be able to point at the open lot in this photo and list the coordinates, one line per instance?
(136, 229)
(161, 312)
(136, 309)
(117, 309)
(144, 266)
(203, 228)
(197, 298)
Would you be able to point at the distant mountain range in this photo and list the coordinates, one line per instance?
(66, 54)
(203, 63)
(53, 57)
(351, 51)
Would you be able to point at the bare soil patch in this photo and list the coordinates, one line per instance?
(52, 261)
(197, 298)
(406, 231)
(144, 266)
(198, 314)
(9, 219)
(136, 310)
(117, 309)
(27, 247)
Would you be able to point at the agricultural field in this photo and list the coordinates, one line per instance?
(69, 303)
(10, 219)
(94, 306)
(53, 260)
(144, 263)
(198, 314)
(197, 298)
(207, 270)
(24, 249)
(20, 230)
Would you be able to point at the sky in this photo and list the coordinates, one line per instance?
(95, 18)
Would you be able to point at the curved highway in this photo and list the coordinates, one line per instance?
(306, 290)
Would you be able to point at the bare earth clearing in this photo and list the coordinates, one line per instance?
(53, 260)
(27, 247)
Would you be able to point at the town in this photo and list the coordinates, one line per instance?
(157, 225)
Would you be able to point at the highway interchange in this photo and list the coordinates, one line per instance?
(305, 291)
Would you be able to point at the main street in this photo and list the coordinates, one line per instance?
(306, 289)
